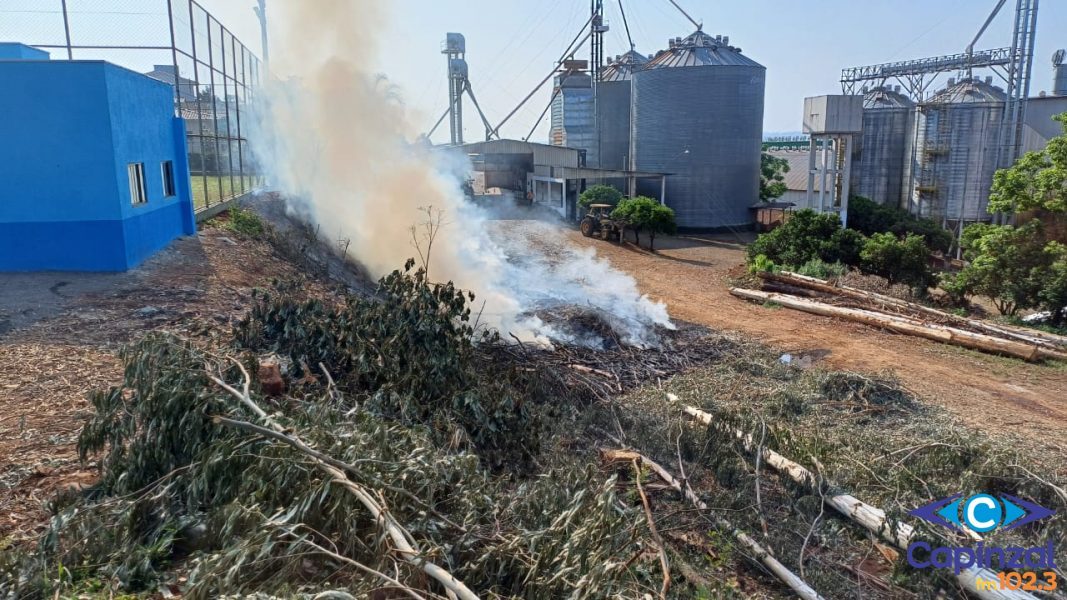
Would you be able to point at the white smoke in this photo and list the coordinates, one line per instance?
(335, 139)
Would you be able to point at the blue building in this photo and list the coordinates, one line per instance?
(94, 173)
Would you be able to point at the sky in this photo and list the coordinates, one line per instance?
(512, 44)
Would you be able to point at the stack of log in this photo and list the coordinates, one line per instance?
(826, 298)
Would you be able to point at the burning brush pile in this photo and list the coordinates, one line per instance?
(388, 447)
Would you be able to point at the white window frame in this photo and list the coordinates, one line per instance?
(138, 190)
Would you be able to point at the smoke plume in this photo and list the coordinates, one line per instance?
(337, 141)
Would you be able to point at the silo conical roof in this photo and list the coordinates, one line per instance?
(623, 66)
(697, 50)
(884, 97)
(968, 91)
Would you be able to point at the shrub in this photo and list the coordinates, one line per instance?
(599, 194)
(645, 213)
(246, 222)
(761, 264)
(822, 270)
(807, 236)
(869, 217)
(898, 260)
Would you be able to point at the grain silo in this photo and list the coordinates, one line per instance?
(572, 111)
(613, 110)
(956, 155)
(880, 159)
(697, 113)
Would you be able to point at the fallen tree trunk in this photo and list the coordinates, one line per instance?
(1033, 336)
(787, 577)
(870, 517)
(397, 534)
(905, 325)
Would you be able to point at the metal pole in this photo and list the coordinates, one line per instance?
(174, 59)
(199, 111)
(226, 101)
(66, 29)
(214, 99)
(261, 12)
(811, 170)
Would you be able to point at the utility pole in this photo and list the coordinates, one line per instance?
(261, 12)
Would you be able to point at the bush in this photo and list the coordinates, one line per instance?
(869, 217)
(761, 264)
(809, 236)
(599, 194)
(898, 260)
(822, 270)
(644, 213)
(246, 222)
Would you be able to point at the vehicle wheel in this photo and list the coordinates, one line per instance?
(587, 227)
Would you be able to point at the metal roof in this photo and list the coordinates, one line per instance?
(623, 66)
(543, 154)
(883, 97)
(797, 178)
(698, 50)
(968, 91)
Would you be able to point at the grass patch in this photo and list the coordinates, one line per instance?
(245, 222)
(212, 189)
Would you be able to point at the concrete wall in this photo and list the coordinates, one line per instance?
(14, 51)
(65, 202)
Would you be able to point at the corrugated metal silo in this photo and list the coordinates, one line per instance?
(572, 114)
(957, 157)
(613, 110)
(697, 113)
(880, 156)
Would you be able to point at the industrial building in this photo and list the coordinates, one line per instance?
(95, 169)
(694, 110)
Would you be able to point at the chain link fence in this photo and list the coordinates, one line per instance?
(214, 76)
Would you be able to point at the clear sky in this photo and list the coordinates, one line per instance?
(511, 44)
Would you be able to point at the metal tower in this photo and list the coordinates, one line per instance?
(1018, 81)
(455, 48)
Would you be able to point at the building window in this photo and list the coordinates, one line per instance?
(168, 178)
(138, 195)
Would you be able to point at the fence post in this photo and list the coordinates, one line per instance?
(66, 30)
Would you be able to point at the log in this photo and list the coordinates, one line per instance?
(399, 536)
(787, 577)
(869, 517)
(908, 326)
(1033, 336)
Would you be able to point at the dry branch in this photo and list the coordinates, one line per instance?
(869, 517)
(907, 326)
(795, 583)
(401, 539)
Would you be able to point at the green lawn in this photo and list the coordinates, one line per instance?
(212, 189)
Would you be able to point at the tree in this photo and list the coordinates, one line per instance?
(806, 236)
(645, 213)
(869, 217)
(1038, 180)
(1053, 293)
(898, 260)
(1010, 265)
(599, 194)
(772, 177)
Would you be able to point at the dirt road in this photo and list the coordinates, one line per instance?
(989, 392)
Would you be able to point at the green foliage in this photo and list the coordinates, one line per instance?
(1038, 180)
(599, 194)
(822, 270)
(1010, 265)
(1053, 294)
(246, 222)
(409, 354)
(761, 264)
(809, 235)
(898, 260)
(772, 177)
(647, 214)
(869, 217)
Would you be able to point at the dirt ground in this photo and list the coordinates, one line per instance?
(988, 392)
(64, 332)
